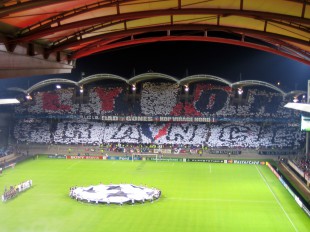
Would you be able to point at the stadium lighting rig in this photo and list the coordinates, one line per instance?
(298, 106)
(8, 101)
(186, 88)
(28, 97)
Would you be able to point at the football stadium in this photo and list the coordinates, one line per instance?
(196, 172)
(86, 146)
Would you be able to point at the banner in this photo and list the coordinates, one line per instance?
(153, 119)
(272, 169)
(246, 162)
(165, 159)
(225, 152)
(100, 157)
(204, 160)
(56, 156)
(306, 210)
(163, 151)
(12, 165)
(298, 201)
(124, 158)
(131, 118)
(23, 186)
(128, 118)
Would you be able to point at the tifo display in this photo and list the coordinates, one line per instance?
(211, 116)
(115, 194)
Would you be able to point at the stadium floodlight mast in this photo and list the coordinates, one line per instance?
(302, 107)
(307, 133)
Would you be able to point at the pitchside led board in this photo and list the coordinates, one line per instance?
(308, 97)
(305, 123)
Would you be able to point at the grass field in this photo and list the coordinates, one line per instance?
(195, 197)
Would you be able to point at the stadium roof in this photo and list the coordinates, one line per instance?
(186, 81)
(46, 36)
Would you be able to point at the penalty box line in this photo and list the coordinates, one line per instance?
(277, 200)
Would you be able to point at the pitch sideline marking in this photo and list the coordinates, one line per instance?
(274, 195)
(220, 200)
(70, 166)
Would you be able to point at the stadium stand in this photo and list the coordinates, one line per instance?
(158, 98)
(3, 151)
(161, 99)
(103, 101)
(233, 135)
(303, 163)
(49, 102)
(260, 122)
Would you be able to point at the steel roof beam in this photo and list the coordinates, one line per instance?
(198, 27)
(47, 30)
(83, 53)
(69, 14)
(18, 7)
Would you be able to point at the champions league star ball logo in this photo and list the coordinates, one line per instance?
(115, 194)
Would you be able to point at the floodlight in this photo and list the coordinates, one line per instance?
(186, 88)
(298, 106)
(8, 101)
(28, 97)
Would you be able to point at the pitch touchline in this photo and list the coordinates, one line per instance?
(219, 200)
(274, 195)
(70, 166)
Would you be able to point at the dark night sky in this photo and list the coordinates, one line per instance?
(179, 58)
(221, 60)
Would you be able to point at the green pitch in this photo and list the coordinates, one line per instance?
(195, 197)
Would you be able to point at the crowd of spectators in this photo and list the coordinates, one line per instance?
(162, 98)
(3, 152)
(37, 130)
(214, 135)
(59, 101)
(158, 98)
(6, 150)
(303, 163)
(103, 101)
(237, 125)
